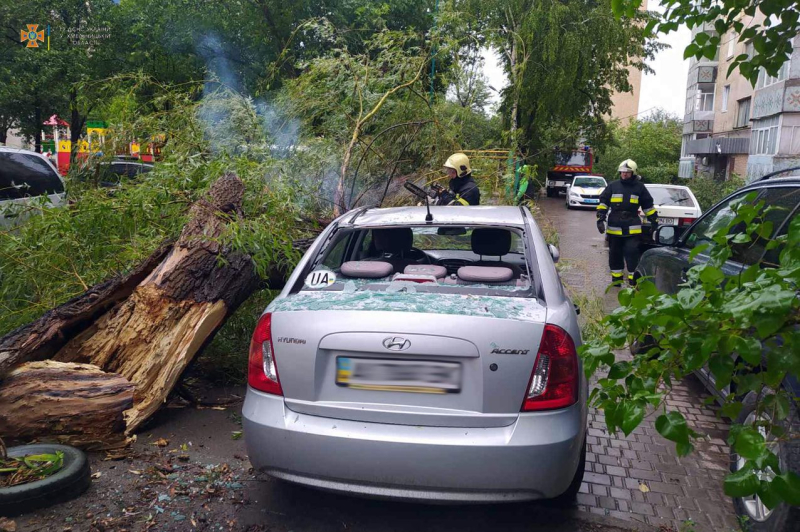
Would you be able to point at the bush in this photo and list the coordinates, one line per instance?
(709, 191)
(665, 174)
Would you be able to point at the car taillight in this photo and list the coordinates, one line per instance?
(687, 221)
(555, 379)
(262, 373)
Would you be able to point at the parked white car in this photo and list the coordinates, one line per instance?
(676, 205)
(28, 181)
(585, 191)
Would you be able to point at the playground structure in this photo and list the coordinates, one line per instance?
(58, 145)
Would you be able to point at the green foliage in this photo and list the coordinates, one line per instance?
(710, 191)
(59, 252)
(722, 321)
(654, 143)
(564, 59)
(728, 19)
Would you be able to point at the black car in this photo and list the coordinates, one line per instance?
(110, 174)
(667, 266)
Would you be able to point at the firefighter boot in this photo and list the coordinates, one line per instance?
(616, 278)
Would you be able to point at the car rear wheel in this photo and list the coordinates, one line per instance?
(755, 515)
(568, 497)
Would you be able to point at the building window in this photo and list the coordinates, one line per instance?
(743, 113)
(764, 138)
(731, 45)
(749, 50)
(726, 94)
(705, 97)
(765, 80)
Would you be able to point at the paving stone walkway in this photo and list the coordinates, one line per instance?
(640, 477)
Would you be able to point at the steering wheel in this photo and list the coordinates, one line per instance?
(417, 254)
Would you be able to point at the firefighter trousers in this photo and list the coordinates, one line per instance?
(622, 250)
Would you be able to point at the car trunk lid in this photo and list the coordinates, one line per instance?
(432, 360)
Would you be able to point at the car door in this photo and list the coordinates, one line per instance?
(667, 266)
(24, 177)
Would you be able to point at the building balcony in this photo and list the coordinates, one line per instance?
(781, 97)
(717, 146)
(694, 124)
(703, 72)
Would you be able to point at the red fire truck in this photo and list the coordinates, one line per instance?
(567, 164)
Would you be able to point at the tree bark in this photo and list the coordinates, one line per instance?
(75, 404)
(43, 338)
(148, 326)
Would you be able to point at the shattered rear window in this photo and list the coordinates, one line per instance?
(428, 259)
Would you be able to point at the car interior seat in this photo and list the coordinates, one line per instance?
(493, 242)
(394, 246)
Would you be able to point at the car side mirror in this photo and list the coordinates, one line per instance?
(667, 235)
(554, 252)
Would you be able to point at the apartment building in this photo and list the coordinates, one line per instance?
(732, 127)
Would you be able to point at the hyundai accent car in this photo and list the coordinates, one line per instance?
(422, 360)
(585, 191)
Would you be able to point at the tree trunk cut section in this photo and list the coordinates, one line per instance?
(75, 404)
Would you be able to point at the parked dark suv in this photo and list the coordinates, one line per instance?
(667, 265)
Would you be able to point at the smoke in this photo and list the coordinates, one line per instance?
(263, 129)
(233, 121)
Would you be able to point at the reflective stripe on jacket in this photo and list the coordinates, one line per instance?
(620, 203)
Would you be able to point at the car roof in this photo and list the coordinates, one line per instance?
(590, 175)
(789, 180)
(20, 150)
(472, 215)
(663, 185)
(6, 149)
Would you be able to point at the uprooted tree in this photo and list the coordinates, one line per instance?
(90, 371)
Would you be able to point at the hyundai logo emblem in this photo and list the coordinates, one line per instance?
(396, 343)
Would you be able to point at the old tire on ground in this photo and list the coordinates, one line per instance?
(68, 483)
(784, 517)
(568, 497)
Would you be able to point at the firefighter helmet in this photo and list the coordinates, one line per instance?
(628, 165)
(460, 163)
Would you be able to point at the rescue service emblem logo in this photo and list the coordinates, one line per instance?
(33, 35)
(396, 343)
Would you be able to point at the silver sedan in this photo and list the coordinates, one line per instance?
(422, 360)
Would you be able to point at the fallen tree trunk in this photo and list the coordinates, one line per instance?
(149, 326)
(79, 404)
(41, 339)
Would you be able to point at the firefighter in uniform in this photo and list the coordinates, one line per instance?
(462, 185)
(619, 204)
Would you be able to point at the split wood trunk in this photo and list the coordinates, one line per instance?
(147, 327)
(79, 404)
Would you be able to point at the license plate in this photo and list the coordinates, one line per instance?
(591, 201)
(667, 221)
(414, 376)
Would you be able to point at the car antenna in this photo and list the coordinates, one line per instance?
(429, 216)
